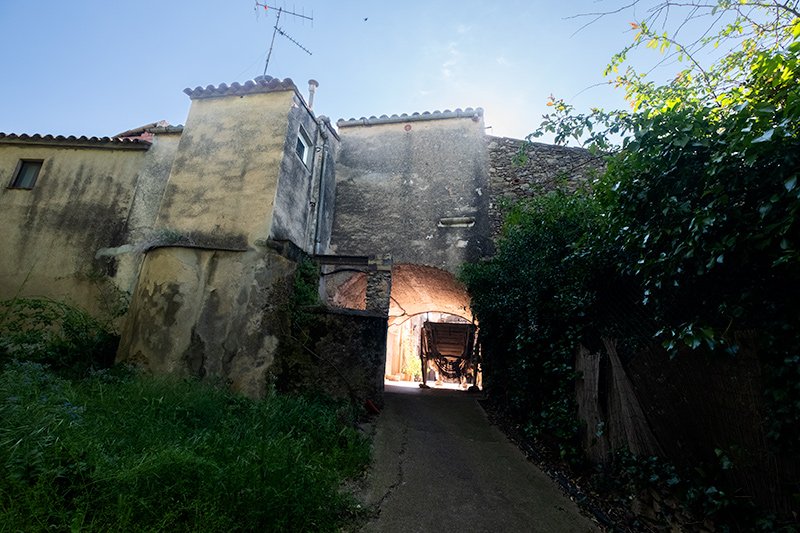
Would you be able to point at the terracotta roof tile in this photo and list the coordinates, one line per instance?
(262, 84)
(137, 132)
(426, 115)
(105, 142)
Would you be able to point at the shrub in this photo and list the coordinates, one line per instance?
(528, 359)
(62, 336)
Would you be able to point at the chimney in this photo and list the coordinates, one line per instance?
(312, 88)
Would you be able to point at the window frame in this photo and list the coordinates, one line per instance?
(18, 172)
(304, 141)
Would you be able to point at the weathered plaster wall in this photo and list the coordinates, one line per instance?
(398, 179)
(152, 183)
(548, 167)
(150, 187)
(209, 313)
(296, 202)
(79, 205)
(224, 179)
(210, 307)
(327, 200)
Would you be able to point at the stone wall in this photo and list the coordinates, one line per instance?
(548, 167)
(413, 187)
(379, 284)
(340, 353)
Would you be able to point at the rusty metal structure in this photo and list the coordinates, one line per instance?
(450, 347)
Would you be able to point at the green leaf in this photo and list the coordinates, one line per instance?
(682, 141)
(764, 138)
(790, 183)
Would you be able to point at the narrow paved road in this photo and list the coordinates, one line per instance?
(439, 466)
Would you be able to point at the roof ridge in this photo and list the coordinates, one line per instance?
(425, 115)
(71, 139)
(261, 84)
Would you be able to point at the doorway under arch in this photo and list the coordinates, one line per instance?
(420, 293)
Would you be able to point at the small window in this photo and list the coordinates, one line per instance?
(26, 174)
(303, 147)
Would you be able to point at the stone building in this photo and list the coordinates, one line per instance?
(204, 225)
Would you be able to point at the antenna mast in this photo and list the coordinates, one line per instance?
(278, 29)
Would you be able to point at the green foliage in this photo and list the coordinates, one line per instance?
(528, 300)
(744, 30)
(57, 334)
(122, 452)
(306, 284)
(114, 302)
(701, 199)
(698, 492)
(305, 293)
(697, 236)
(413, 366)
(707, 201)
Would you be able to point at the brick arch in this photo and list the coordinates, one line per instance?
(418, 289)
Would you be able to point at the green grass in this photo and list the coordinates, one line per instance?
(122, 452)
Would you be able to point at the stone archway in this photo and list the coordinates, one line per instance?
(419, 293)
(420, 289)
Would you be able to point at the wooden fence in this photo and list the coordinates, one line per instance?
(684, 408)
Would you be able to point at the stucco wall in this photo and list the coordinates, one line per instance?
(151, 185)
(209, 313)
(211, 306)
(294, 212)
(327, 201)
(147, 197)
(396, 181)
(79, 205)
(224, 179)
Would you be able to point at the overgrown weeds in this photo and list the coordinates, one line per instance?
(127, 452)
(57, 334)
(89, 447)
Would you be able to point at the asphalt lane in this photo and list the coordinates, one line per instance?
(440, 466)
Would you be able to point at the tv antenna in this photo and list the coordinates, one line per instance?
(277, 29)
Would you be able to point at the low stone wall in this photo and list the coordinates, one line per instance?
(548, 167)
(340, 353)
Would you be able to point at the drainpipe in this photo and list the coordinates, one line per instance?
(321, 193)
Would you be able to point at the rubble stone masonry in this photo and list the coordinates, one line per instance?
(548, 167)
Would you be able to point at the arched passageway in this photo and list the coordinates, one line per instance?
(420, 289)
(419, 294)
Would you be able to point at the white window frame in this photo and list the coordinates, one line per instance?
(303, 147)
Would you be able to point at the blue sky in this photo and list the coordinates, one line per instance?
(101, 67)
